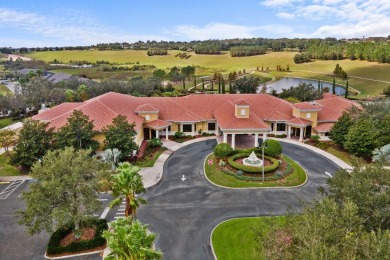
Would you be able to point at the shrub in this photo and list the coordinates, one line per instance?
(315, 138)
(54, 247)
(178, 135)
(281, 136)
(155, 142)
(222, 150)
(252, 169)
(273, 148)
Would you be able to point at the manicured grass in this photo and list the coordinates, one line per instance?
(235, 239)
(216, 176)
(343, 155)
(6, 122)
(4, 90)
(210, 64)
(5, 168)
(149, 162)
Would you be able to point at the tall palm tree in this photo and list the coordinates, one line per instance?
(128, 182)
(131, 241)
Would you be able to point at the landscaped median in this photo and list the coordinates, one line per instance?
(237, 238)
(290, 176)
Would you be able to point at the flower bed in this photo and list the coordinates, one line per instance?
(252, 169)
(60, 244)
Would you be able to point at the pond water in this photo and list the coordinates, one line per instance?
(287, 82)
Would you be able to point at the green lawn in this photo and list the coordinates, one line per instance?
(209, 64)
(7, 169)
(216, 176)
(4, 90)
(235, 239)
(343, 155)
(6, 122)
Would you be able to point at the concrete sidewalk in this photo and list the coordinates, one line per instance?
(152, 175)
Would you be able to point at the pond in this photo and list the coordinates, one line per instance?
(287, 82)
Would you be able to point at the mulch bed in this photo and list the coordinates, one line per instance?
(86, 234)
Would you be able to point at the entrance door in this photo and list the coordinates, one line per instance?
(308, 131)
(146, 134)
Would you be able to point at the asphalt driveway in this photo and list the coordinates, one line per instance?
(183, 213)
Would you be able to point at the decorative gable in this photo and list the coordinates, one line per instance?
(241, 108)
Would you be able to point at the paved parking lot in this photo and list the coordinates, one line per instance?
(14, 240)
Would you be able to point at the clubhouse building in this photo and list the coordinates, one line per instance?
(220, 114)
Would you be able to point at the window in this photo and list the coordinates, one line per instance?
(211, 126)
(169, 128)
(308, 115)
(187, 128)
(242, 112)
(280, 127)
(147, 117)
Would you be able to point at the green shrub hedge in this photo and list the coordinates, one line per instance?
(274, 177)
(274, 148)
(222, 150)
(54, 247)
(251, 169)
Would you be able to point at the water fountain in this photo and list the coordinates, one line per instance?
(252, 160)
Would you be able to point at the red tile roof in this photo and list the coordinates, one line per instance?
(328, 95)
(241, 102)
(323, 128)
(333, 107)
(158, 124)
(299, 122)
(146, 108)
(306, 106)
(193, 108)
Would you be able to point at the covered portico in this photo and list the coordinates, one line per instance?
(240, 139)
(298, 127)
(157, 126)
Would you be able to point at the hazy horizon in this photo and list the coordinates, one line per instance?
(30, 23)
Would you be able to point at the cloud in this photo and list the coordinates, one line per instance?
(70, 29)
(279, 3)
(339, 18)
(284, 15)
(227, 31)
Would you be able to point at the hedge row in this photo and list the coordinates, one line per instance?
(252, 169)
(275, 177)
(54, 247)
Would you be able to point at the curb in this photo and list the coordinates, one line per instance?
(253, 188)
(70, 256)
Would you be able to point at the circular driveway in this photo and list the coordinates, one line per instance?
(183, 213)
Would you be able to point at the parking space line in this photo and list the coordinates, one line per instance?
(11, 188)
(105, 212)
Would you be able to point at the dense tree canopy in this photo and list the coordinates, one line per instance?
(65, 193)
(34, 141)
(120, 135)
(246, 85)
(78, 133)
(302, 92)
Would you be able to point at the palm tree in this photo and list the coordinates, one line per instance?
(130, 240)
(128, 182)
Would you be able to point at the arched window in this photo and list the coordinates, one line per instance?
(243, 112)
(147, 117)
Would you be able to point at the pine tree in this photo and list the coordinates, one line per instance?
(223, 86)
(346, 90)
(194, 82)
(184, 84)
(334, 86)
(219, 84)
(202, 83)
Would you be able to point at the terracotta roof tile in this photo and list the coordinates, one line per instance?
(299, 122)
(333, 107)
(323, 128)
(306, 106)
(158, 124)
(241, 102)
(146, 108)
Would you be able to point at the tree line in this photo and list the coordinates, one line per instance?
(241, 51)
(370, 51)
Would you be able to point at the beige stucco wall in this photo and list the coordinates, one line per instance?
(152, 116)
(202, 125)
(303, 114)
(174, 127)
(100, 138)
(139, 137)
(238, 111)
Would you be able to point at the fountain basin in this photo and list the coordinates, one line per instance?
(252, 160)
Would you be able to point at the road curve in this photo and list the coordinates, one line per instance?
(183, 213)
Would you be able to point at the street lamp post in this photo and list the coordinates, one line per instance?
(263, 145)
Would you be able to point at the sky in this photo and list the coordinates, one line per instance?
(40, 23)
